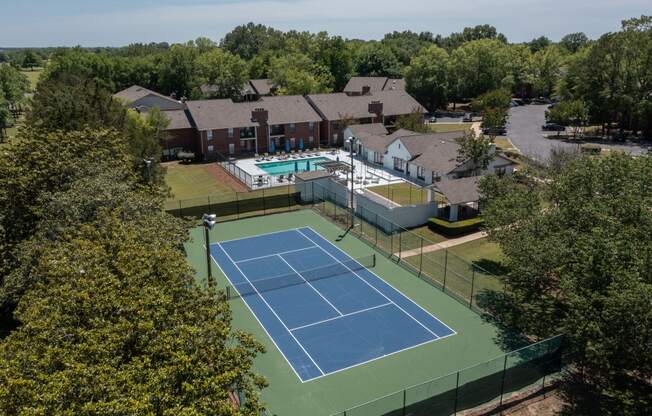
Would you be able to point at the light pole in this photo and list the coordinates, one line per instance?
(350, 141)
(148, 167)
(209, 221)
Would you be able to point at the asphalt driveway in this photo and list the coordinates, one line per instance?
(524, 130)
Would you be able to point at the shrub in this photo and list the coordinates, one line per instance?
(455, 228)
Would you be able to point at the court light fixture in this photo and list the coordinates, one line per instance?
(209, 221)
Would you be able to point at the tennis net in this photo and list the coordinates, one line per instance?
(330, 271)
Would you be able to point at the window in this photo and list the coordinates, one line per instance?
(210, 147)
(399, 164)
(311, 126)
(334, 138)
(378, 158)
(436, 177)
(231, 148)
(230, 132)
(209, 135)
(311, 139)
(293, 128)
(292, 142)
(421, 172)
(277, 130)
(500, 171)
(247, 132)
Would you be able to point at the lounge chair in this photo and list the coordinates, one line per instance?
(290, 177)
(280, 178)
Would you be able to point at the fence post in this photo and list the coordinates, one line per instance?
(237, 206)
(391, 240)
(376, 228)
(404, 400)
(502, 383)
(288, 196)
(445, 267)
(264, 206)
(457, 391)
(209, 204)
(421, 257)
(472, 284)
(400, 244)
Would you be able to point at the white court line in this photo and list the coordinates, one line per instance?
(309, 284)
(383, 280)
(255, 316)
(372, 286)
(340, 317)
(272, 309)
(275, 254)
(259, 235)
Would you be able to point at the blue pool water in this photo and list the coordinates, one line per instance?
(288, 166)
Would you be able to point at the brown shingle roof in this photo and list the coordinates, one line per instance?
(178, 120)
(368, 129)
(394, 85)
(223, 114)
(262, 86)
(339, 105)
(460, 191)
(136, 92)
(355, 84)
(436, 152)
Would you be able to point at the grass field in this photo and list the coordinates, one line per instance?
(193, 181)
(33, 77)
(475, 341)
(502, 142)
(403, 193)
(448, 127)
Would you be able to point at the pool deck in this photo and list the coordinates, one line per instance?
(364, 175)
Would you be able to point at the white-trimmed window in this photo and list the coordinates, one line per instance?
(231, 148)
(209, 135)
(230, 132)
(311, 139)
(399, 164)
(292, 142)
(210, 147)
(436, 177)
(378, 158)
(311, 125)
(292, 128)
(421, 172)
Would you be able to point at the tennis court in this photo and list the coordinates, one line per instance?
(325, 311)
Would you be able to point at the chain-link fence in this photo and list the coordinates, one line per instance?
(491, 383)
(467, 282)
(238, 205)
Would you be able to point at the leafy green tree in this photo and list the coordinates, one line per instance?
(427, 77)
(539, 44)
(407, 44)
(476, 152)
(13, 84)
(412, 122)
(574, 41)
(376, 60)
(176, 71)
(204, 44)
(332, 53)
(469, 34)
(479, 66)
(578, 255)
(223, 70)
(31, 59)
(248, 40)
(545, 70)
(5, 117)
(569, 113)
(298, 75)
(493, 105)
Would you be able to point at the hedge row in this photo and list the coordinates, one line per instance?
(455, 228)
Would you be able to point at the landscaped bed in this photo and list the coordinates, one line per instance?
(402, 193)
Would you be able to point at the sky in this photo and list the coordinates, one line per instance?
(32, 23)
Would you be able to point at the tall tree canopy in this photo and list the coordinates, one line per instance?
(578, 249)
(427, 77)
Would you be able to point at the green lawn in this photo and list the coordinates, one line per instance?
(503, 142)
(448, 127)
(483, 253)
(193, 181)
(402, 193)
(33, 76)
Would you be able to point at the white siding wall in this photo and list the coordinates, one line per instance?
(395, 149)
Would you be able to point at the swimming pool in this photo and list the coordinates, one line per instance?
(291, 166)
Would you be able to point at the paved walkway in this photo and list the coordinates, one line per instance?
(443, 245)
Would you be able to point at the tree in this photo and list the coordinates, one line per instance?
(176, 71)
(569, 113)
(574, 41)
(376, 60)
(13, 84)
(469, 34)
(413, 122)
(578, 255)
(31, 59)
(248, 40)
(223, 70)
(545, 70)
(332, 53)
(493, 105)
(204, 44)
(407, 44)
(539, 44)
(427, 77)
(476, 152)
(5, 116)
(479, 66)
(298, 75)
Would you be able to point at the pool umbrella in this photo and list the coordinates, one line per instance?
(272, 147)
(287, 145)
(337, 158)
(296, 166)
(308, 165)
(301, 144)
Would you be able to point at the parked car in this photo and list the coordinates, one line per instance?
(518, 101)
(467, 118)
(542, 100)
(496, 131)
(432, 119)
(553, 127)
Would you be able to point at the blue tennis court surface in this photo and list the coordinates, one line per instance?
(325, 311)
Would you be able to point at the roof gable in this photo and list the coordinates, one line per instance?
(338, 106)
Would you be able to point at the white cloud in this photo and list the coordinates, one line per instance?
(518, 19)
